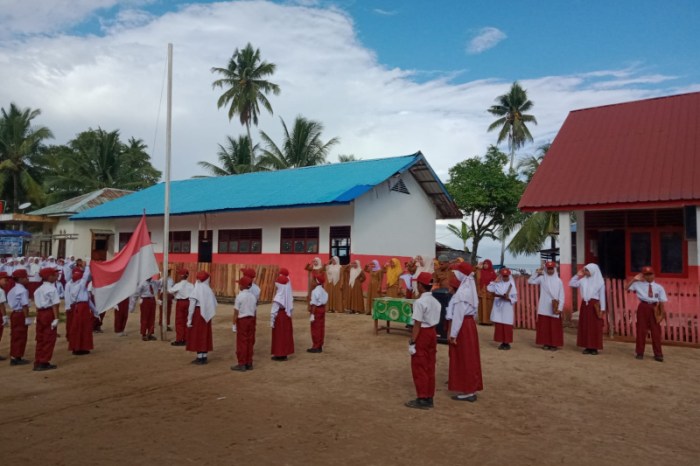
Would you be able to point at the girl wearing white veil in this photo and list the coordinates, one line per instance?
(550, 332)
(591, 317)
(202, 310)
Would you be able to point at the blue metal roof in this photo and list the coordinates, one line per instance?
(338, 183)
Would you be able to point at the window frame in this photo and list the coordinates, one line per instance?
(303, 236)
(655, 233)
(177, 240)
(237, 236)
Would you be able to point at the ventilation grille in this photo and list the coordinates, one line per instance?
(400, 187)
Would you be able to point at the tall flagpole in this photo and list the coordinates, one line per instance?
(166, 211)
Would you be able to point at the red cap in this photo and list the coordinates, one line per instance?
(505, 272)
(76, 275)
(202, 275)
(46, 272)
(284, 271)
(19, 273)
(4, 274)
(183, 272)
(454, 283)
(281, 279)
(647, 270)
(245, 282)
(464, 267)
(250, 273)
(550, 265)
(320, 278)
(426, 278)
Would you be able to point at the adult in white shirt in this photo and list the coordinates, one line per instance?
(423, 344)
(502, 312)
(465, 360)
(650, 311)
(5, 322)
(550, 332)
(18, 302)
(591, 286)
(181, 292)
(317, 309)
(281, 319)
(46, 301)
(244, 311)
(202, 310)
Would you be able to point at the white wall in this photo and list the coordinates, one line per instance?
(392, 223)
(82, 246)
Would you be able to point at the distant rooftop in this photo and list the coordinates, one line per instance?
(81, 203)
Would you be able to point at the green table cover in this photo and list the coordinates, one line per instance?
(393, 309)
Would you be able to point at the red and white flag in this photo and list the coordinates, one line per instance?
(117, 279)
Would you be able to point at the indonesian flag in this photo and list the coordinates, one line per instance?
(117, 279)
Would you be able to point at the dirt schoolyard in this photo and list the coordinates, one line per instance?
(135, 402)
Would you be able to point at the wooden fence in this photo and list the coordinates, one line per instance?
(682, 324)
(224, 277)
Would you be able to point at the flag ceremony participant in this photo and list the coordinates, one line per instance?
(46, 301)
(181, 292)
(317, 311)
(376, 275)
(281, 320)
(502, 313)
(465, 359)
(254, 288)
(5, 323)
(393, 270)
(550, 332)
(81, 341)
(121, 315)
(423, 344)
(591, 287)
(244, 312)
(485, 275)
(18, 301)
(201, 311)
(148, 292)
(650, 312)
(334, 285)
(313, 268)
(352, 293)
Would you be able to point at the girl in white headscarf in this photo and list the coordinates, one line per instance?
(354, 299)
(202, 310)
(550, 332)
(503, 312)
(376, 275)
(334, 286)
(281, 320)
(591, 317)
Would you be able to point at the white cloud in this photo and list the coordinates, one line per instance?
(486, 38)
(379, 11)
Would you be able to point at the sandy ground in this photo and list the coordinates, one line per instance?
(134, 402)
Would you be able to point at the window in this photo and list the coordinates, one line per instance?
(180, 241)
(640, 250)
(340, 243)
(123, 239)
(299, 240)
(665, 249)
(671, 252)
(240, 241)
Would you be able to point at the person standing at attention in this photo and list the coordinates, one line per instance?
(591, 317)
(317, 309)
(502, 314)
(244, 311)
(201, 311)
(46, 301)
(550, 332)
(650, 312)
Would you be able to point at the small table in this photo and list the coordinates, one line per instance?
(392, 310)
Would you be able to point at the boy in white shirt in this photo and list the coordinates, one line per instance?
(46, 300)
(244, 311)
(650, 311)
(317, 309)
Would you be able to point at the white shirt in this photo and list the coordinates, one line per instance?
(642, 290)
(181, 290)
(460, 310)
(46, 296)
(551, 288)
(33, 272)
(319, 296)
(78, 290)
(426, 310)
(18, 297)
(3, 297)
(502, 311)
(255, 289)
(598, 294)
(67, 295)
(148, 290)
(245, 304)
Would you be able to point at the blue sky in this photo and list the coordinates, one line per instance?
(385, 77)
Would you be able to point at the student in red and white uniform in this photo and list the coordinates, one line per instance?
(148, 292)
(5, 322)
(18, 301)
(502, 313)
(423, 344)
(244, 312)
(181, 292)
(465, 359)
(201, 311)
(121, 315)
(46, 300)
(254, 288)
(281, 320)
(81, 341)
(317, 309)
(550, 332)
(591, 318)
(652, 297)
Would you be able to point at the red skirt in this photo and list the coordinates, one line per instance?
(282, 335)
(590, 327)
(465, 360)
(503, 333)
(550, 331)
(45, 336)
(199, 337)
(81, 328)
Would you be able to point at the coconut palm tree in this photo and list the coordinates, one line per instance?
(302, 147)
(234, 158)
(245, 86)
(19, 143)
(462, 232)
(510, 109)
(528, 165)
(342, 158)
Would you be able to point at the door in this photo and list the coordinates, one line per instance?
(340, 244)
(206, 240)
(99, 247)
(62, 248)
(611, 253)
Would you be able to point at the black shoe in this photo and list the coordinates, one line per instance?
(249, 367)
(204, 361)
(507, 346)
(586, 351)
(418, 403)
(429, 402)
(196, 361)
(638, 356)
(45, 367)
(152, 337)
(659, 358)
(2, 358)
(18, 362)
(594, 352)
(279, 358)
(81, 352)
(547, 347)
(553, 348)
(177, 343)
(144, 337)
(239, 368)
(502, 346)
(470, 398)
(314, 350)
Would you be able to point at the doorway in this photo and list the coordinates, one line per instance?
(100, 245)
(611, 253)
(206, 240)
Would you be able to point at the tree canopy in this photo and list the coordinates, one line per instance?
(302, 147)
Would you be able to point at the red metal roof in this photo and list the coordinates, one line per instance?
(637, 154)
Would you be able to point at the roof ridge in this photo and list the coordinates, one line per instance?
(635, 101)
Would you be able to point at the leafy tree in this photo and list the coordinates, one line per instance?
(234, 158)
(342, 158)
(486, 195)
(530, 163)
(20, 143)
(462, 232)
(302, 147)
(510, 109)
(245, 86)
